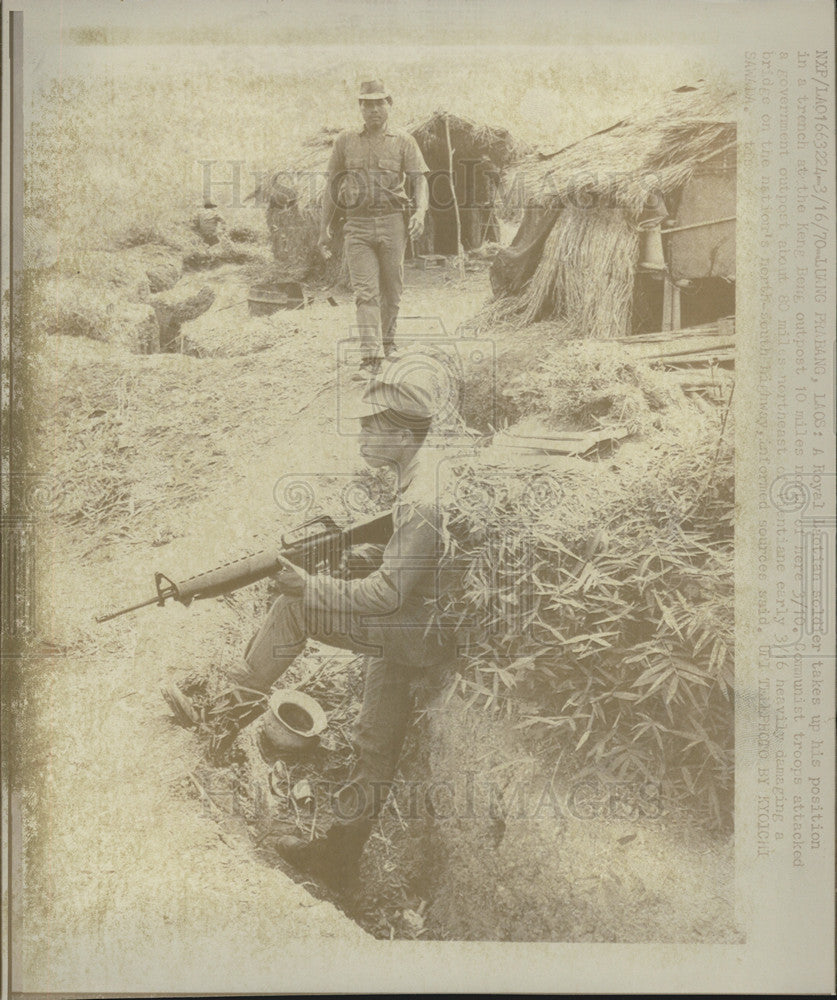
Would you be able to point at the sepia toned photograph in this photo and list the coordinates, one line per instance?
(381, 564)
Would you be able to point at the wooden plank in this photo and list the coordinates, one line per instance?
(654, 350)
(721, 327)
(565, 443)
(698, 225)
(432, 260)
(696, 349)
(668, 293)
(696, 363)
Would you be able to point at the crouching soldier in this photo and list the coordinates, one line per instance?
(387, 615)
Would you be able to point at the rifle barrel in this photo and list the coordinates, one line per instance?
(124, 611)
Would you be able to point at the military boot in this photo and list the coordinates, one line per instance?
(220, 717)
(183, 708)
(369, 368)
(334, 859)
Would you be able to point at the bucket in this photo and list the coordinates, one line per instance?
(266, 298)
(293, 720)
(651, 257)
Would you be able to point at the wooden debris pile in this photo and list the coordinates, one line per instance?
(700, 360)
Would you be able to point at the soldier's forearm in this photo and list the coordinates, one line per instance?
(374, 595)
(422, 196)
(328, 211)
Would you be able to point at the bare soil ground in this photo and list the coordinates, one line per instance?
(169, 462)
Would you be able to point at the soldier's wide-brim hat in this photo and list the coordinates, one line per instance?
(374, 90)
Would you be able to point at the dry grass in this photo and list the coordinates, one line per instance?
(136, 442)
(587, 385)
(218, 336)
(119, 479)
(574, 384)
(112, 148)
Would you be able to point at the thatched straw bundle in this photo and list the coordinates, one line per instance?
(651, 153)
(292, 198)
(587, 385)
(469, 140)
(586, 272)
(576, 385)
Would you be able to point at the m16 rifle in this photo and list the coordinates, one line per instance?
(317, 543)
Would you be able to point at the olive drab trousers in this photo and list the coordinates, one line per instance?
(375, 247)
(387, 699)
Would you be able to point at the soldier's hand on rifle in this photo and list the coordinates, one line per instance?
(291, 579)
(416, 226)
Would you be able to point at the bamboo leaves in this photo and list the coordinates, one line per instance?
(612, 621)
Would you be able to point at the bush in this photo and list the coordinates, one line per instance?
(590, 383)
(601, 602)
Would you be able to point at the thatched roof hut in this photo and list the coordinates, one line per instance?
(293, 197)
(620, 227)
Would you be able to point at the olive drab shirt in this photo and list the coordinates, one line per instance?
(367, 174)
(395, 604)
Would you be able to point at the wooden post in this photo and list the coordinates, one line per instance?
(460, 256)
(671, 305)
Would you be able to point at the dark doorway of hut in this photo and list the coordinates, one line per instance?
(701, 300)
(477, 221)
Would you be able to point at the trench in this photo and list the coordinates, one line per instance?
(257, 792)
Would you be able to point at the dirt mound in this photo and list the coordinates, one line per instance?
(215, 336)
(132, 293)
(481, 813)
(73, 307)
(176, 307)
(163, 266)
(574, 384)
(128, 466)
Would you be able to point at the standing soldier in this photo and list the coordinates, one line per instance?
(369, 174)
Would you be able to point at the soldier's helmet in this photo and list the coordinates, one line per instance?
(416, 389)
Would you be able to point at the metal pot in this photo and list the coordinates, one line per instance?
(293, 720)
